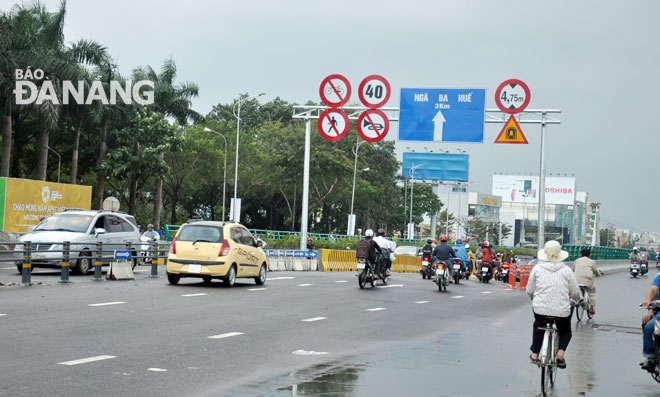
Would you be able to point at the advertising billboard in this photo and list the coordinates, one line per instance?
(27, 201)
(524, 189)
(436, 166)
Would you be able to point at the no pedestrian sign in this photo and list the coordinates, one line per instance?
(373, 125)
(335, 90)
(512, 96)
(511, 133)
(333, 124)
(374, 91)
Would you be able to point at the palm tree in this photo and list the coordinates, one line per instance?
(173, 100)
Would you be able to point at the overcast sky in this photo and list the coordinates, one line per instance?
(597, 61)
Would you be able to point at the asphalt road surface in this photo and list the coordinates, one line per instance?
(303, 333)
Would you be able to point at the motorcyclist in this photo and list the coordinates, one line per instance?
(487, 256)
(444, 253)
(470, 259)
(649, 352)
(151, 234)
(461, 253)
(508, 256)
(634, 256)
(374, 248)
(644, 258)
(384, 243)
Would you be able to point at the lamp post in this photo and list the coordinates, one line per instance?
(351, 216)
(237, 114)
(411, 172)
(59, 162)
(224, 171)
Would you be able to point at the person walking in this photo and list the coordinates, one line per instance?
(551, 286)
(585, 270)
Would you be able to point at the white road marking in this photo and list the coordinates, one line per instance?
(140, 271)
(227, 335)
(156, 370)
(105, 304)
(302, 352)
(376, 309)
(510, 289)
(256, 289)
(200, 294)
(310, 320)
(305, 285)
(390, 286)
(457, 297)
(341, 281)
(280, 278)
(87, 360)
(9, 268)
(486, 292)
(422, 302)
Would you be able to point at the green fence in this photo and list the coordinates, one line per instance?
(602, 253)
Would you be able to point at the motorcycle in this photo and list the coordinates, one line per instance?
(654, 369)
(486, 272)
(505, 271)
(145, 247)
(644, 268)
(442, 275)
(634, 269)
(459, 272)
(366, 273)
(428, 267)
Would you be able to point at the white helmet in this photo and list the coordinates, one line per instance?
(369, 233)
(467, 246)
(634, 248)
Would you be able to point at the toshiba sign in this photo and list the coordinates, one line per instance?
(525, 189)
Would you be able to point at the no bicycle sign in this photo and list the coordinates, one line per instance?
(335, 90)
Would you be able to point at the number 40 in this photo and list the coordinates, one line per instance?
(374, 92)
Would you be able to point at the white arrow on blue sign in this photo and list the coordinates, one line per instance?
(443, 115)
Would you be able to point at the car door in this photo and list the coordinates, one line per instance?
(251, 262)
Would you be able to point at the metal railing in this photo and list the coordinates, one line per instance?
(99, 253)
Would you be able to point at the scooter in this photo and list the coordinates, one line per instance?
(635, 269)
(644, 268)
(654, 369)
(145, 248)
(366, 273)
(442, 275)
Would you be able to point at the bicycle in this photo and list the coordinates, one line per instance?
(582, 306)
(548, 355)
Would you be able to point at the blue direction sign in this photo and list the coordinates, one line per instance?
(122, 254)
(439, 114)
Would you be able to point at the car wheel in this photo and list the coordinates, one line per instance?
(261, 279)
(19, 267)
(207, 279)
(173, 278)
(230, 278)
(84, 263)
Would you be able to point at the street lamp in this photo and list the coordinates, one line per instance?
(411, 172)
(59, 162)
(224, 171)
(351, 216)
(237, 114)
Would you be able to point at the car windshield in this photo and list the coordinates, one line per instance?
(406, 250)
(65, 223)
(200, 233)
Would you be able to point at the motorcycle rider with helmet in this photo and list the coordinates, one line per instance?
(385, 244)
(461, 253)
(508, 256)
(487, 257)
(443, 253)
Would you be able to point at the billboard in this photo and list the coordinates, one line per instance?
(27, 201)
(436, 166)
(524, 189)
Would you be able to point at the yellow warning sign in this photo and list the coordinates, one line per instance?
(511, 133)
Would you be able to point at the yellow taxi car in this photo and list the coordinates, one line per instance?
(220, 250)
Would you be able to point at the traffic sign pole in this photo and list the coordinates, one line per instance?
(305, 199)
(541, 221)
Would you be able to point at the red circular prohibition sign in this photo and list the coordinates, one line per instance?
(326, 85)
(326, 117)
(366, 121)
(385, 83)
(498, 101)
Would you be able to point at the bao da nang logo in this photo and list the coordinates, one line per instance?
(27, 92)
(47, 195)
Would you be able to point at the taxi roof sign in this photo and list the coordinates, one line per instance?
(511, 133)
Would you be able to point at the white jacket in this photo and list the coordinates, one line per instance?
(551, 286)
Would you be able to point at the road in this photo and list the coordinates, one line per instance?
(303, 333)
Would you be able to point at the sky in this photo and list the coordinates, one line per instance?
(597, 61)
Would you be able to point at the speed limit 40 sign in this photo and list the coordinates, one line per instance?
(374, 91)
(512, 96)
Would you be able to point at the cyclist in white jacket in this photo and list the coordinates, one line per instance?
(551, 286)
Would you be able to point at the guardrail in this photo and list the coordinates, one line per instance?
(602, 253)
(25, 256)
